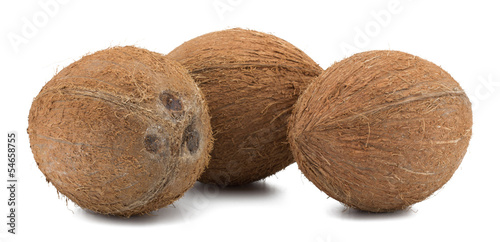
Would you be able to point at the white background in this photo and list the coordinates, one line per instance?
(462, 37)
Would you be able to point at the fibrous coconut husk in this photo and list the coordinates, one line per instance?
(251, 81)
(381, 130)
(123, 131)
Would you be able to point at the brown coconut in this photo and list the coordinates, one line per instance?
(251, 81)
(381, 130)
(123, 131)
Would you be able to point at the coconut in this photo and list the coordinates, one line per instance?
(123, 131)
(381, 130)
(251, 81)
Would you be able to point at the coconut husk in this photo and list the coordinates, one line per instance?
(123, 131)
(381, 130)
(251, 81)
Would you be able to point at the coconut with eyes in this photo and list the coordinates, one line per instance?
(123, 131)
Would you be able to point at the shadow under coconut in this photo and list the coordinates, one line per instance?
(255, 190)
(164, 215)
(192, 205)
(356, 214)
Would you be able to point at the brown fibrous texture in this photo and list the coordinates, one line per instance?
(381, 130)
(251, 81)
(123, 131)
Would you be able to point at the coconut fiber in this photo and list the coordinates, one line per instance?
(251, 81)
(123, 131)
(381, 130)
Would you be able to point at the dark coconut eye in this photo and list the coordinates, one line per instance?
(152, 143)
(171, 101)
(191, 138)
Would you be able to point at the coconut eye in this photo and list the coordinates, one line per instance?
(170, 101)
(152, 143)
(191, 138)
